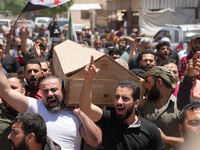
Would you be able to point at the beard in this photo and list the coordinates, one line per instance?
(21, 146)
(146, 68)
(154, 93)
(56, 108)
(126, 115)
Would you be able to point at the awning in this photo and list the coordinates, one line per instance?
(85, 6)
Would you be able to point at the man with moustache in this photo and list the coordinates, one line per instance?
(122, 127)
(148, 60)
(163, 51)
(160, 106)
(63, 126)
(29, 132)
(7, 113)
(195, 46)
(189, 127)
(33, 76)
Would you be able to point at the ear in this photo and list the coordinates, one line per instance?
(180, 128)
(30, 137)
(23, 91)
(159, 82)
(136, 103)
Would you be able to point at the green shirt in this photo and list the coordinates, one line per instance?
(166, 118)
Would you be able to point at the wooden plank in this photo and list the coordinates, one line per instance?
(71, 56)
(103, 91)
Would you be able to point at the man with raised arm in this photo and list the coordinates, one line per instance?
(122, 128)
(63, 126)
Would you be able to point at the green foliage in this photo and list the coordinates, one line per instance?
(56, 10)
(16, 6)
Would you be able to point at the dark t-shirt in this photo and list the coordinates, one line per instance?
(10, 64)
(117, 135)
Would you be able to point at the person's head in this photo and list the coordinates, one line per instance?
(195, 43)
(16, 84)
(138, 72)
(122, 44)
(157, 79)
(145, 44)
(98, 44)
(38, 41)
(109, 45)
(53, 93)
(171, 64)
(114, 53)
(127, 94)
(17, 41)
(122, 63)
(44, 40)
(45, 67)
(103, 39)
(163, 50)
(189, 126)
(28, 132)
(121, 29)
(33, 73)
(147, 60)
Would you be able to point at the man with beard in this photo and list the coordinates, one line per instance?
(189, 127)
(148, 60)
(7, 113)
(124, 48)
(33, 75)
(122, 127)
(144, 44)
(29, 132)
(163, 51)
(195, 46)
(160, 106)
(63, 127)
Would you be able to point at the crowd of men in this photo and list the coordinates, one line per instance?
(34, 115)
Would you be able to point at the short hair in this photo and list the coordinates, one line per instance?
(123, 39)
(138, 72)
(53, 77)
(168, 61)
(32, 61)
(192, 106)
(114, 50)
(163, 43)
(42, 60)
(15, 75)
(33, 123)
(39, 38)
(146, 40)
(131, 85)
(148, 52)
(103, 37)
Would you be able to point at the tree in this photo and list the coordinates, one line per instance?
(16, 6)
(56, 10)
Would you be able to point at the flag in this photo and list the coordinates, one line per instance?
(71, 33)
(33, 5)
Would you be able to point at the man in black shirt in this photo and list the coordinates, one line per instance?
(122, 128)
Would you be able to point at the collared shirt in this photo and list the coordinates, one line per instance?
(166, 118)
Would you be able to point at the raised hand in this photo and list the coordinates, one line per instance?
(193, 66)
(90, 69)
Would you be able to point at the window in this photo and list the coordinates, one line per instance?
(85, 14)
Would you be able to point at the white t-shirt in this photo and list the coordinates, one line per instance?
(62, 127)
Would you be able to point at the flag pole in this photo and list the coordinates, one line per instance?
(7, 50)
(16, 21)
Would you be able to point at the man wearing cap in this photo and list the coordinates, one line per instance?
(161, 105)
(195, 46)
